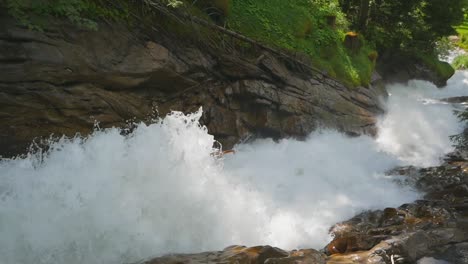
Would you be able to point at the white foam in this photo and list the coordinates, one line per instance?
(453, 54)
(432, 261)
(113, 199)
(416, 128)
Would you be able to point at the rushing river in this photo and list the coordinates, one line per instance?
(110, 198)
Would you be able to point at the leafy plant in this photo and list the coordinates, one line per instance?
(405, 25)
(462, 31)
(460, 141)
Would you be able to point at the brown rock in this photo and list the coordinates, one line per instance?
(61, 81)
(435, 227)
(246, 255)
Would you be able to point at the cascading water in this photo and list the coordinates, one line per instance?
(417, 125)
(110, 198)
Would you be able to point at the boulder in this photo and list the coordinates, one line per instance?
(398, 67)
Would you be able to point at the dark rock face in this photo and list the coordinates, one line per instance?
(64, 80)
(436, 226)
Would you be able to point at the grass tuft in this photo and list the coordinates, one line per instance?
(461, 62)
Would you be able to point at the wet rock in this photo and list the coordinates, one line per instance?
(456, 100)
(246, 255)
(253, 255)
(433, 227)
(455, 253)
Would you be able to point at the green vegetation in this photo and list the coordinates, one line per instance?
(314, 27)
(443, 69)
(461, 62)
(417, 28)
(460, 141)
(462, 31)
(404, 24)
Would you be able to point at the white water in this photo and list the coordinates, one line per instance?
(453, 54)
(116, 199)
(417, 126)
(431, 261)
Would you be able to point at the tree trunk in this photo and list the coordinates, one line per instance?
(352, 42)
(363, 15)
(345, 4)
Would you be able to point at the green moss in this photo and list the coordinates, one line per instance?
(301, 26)
(442, 68)
(461, 62)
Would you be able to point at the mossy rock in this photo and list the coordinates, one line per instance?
(401, 67)
(443, 69)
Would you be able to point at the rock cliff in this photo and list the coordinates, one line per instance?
(63, 80)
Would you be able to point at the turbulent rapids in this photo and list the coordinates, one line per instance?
(110, 198)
